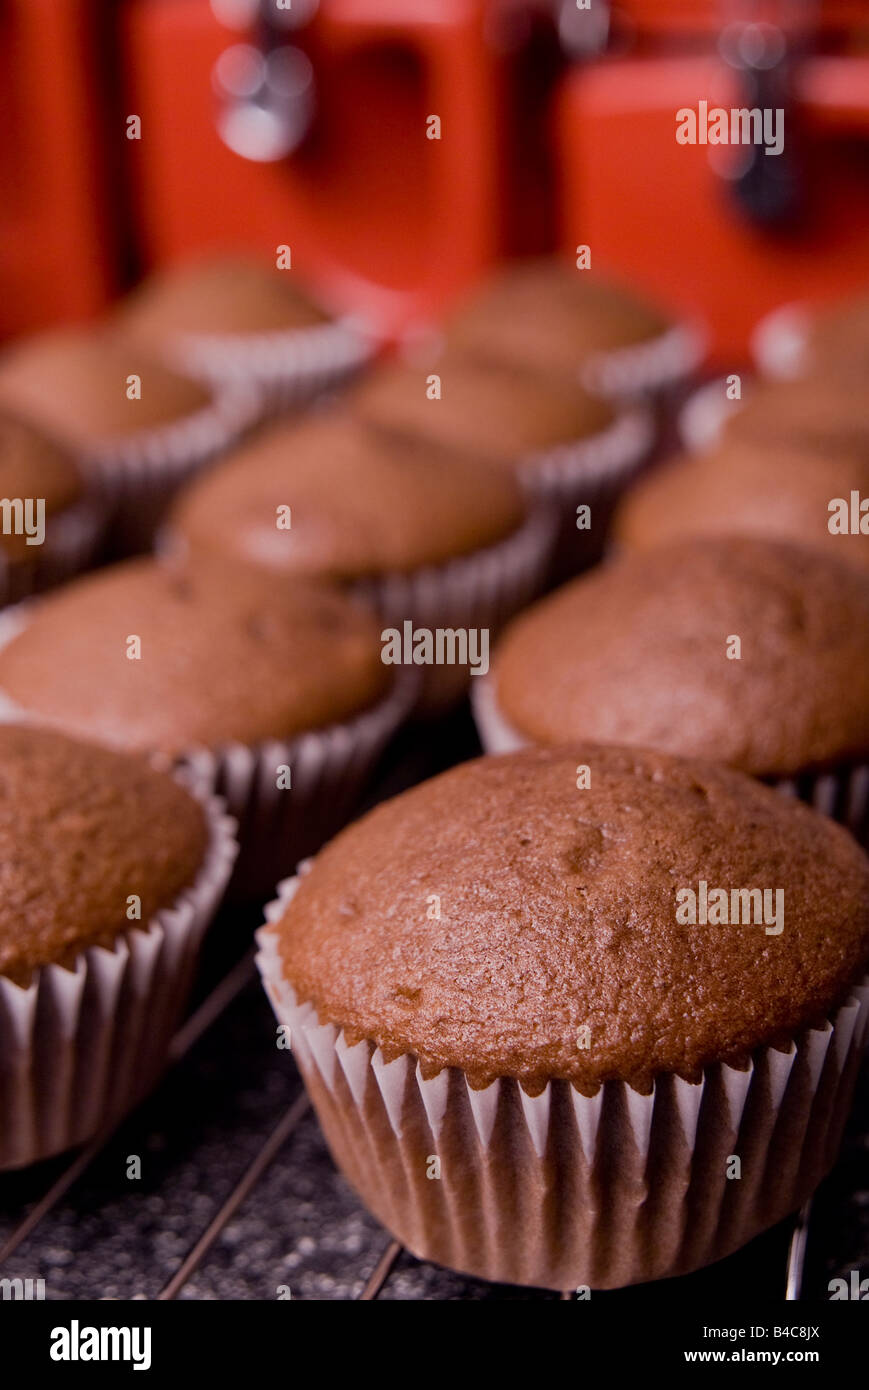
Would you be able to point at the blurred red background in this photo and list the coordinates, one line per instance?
(557, 129)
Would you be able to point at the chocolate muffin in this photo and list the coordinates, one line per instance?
(234, 675)
(73, 384)
(753, 653)
(111, 871)
(570, 449)
(547, 316)
(816, 413)
(838, 338)
(51, 527)
(425, 535)
(494, 981)
(776, 488)
(828, 342)
(503, 413)
(236, 320)
(362, 502)
(225, 295)
(138, 427)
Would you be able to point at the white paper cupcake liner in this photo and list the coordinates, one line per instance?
(560, 1190)
(329, 770)
(72, 538)
(139, 475)
(705, 413)
(647, 368)
(285, 367)
(80, 1046)
(779, 342)
(594, 472)
(481, 590)
(840, 793)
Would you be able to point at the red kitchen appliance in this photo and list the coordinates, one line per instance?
(307, 122)
(690, 221)
(389, 219)
(57, 250)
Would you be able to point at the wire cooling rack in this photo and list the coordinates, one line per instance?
(238, 1197)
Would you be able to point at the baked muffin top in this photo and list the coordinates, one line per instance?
(81, 829)
(500, 412)
(636, 652)
(544, 313)
(838, 336)
(362, 502)
(557, 913)
(222, 295)
(774, 489)
(224, 656)
(32, 466)
(73, 383)
(816, 412)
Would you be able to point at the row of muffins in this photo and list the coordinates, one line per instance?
(251, 688)
(472, 999)
(189, 363)
(485, 979)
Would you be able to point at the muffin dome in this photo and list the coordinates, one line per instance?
(637, 653)
(33, 466)
(499, 412)
(775, 489)
(72, 383)
(544, 314)
(218, 296)
(362, 502)
(557, 913)
(838, 337)
(817, 412)
(223, 657)
(81, 829)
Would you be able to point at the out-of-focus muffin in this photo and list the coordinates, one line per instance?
(233, 319)
(750, 488)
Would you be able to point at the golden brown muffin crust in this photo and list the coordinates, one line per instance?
(636, 653)
(558, 913)
(544, 313)
(32, 466)
(752, 489)
(218, 296)
(223, 657)
(72, 383)
(501, 413)
(81, 829)
(362, 501)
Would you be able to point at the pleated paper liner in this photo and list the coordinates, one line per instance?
(138, 475)
(779, 341)
(841, 792)
(481, 590)
(286, 368)
(561, 1190)
(329, 771)
(704, 415)
(80, 1046)
(593, 472)
(72, 539)
(649, 368)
